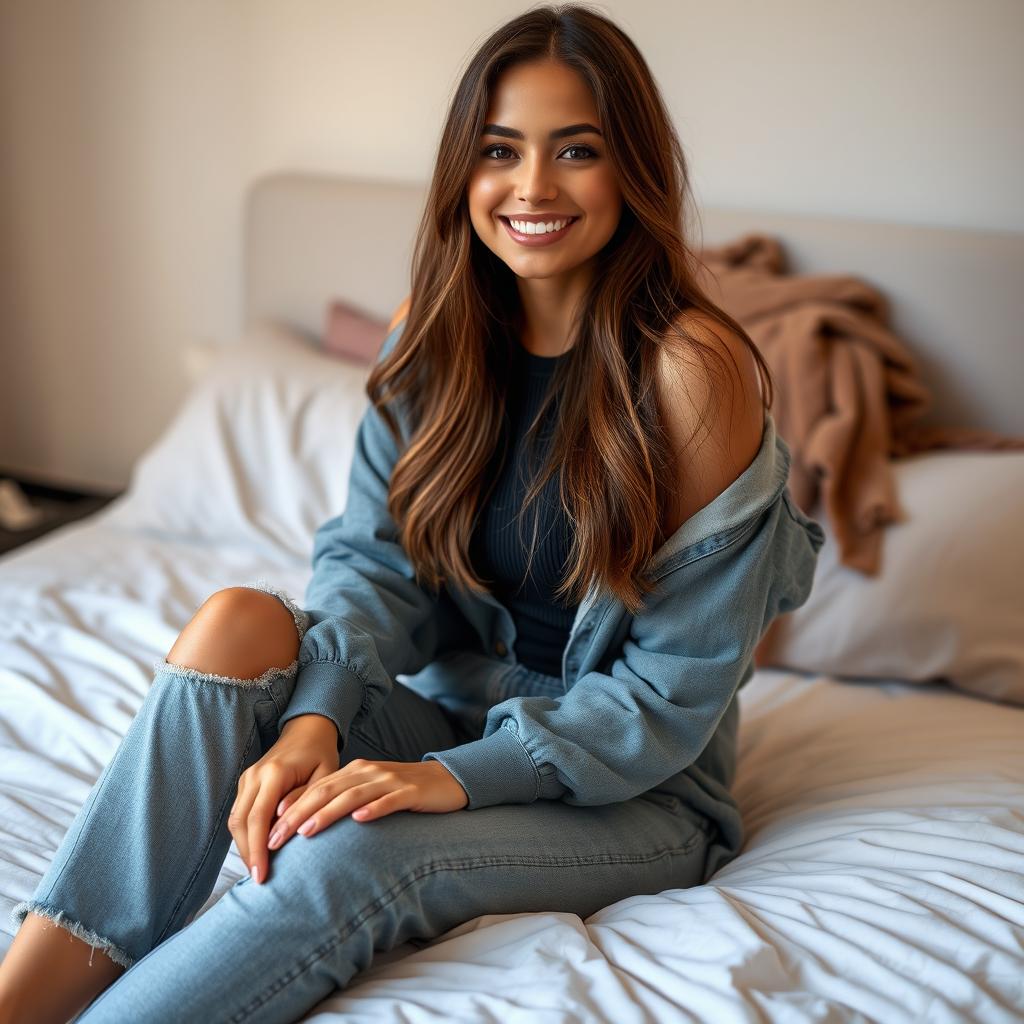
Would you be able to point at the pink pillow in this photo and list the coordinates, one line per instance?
(353, 334)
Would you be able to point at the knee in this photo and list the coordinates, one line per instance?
(348, 857)
(240, 632)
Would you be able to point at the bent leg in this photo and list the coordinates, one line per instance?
(145, 849)
(271, 952)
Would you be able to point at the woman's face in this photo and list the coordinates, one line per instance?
(522, 171)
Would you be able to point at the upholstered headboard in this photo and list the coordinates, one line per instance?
(957, 296)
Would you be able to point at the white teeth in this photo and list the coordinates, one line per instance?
(528, 227)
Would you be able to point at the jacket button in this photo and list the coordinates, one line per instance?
(500, 649)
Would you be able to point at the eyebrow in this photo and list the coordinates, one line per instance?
(559, 133)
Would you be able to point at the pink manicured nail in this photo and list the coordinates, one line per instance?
(255, 872)
(307, 826)
(274, 840)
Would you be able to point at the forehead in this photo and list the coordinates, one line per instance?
(539, 96)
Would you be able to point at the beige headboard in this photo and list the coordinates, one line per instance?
(957, 296)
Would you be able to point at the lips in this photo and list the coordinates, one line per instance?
(548, 238)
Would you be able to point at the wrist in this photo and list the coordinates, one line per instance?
(311, 723)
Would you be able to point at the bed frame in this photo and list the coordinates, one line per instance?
(956, 296)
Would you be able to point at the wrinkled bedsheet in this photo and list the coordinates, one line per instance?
(881, 877)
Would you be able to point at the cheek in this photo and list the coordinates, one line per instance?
(484, 195)
(606, 203)
(484, 199)
(604, 195)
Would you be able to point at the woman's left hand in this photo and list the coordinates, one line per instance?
(371, 789)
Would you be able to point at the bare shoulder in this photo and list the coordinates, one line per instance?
(714, 415)
(400, 314)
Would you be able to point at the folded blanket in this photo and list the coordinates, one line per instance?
(848, 389)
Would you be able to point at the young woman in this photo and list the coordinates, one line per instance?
(566, 734)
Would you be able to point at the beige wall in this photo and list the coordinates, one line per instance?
(130, 129)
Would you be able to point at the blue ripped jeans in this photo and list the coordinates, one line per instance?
(146, 848)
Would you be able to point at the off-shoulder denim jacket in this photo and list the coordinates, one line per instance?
(650, 700)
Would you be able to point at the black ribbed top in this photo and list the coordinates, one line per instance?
(500, 545)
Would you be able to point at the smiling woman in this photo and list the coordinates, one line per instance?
(565, 163)
(566, 733)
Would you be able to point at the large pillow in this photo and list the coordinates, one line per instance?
(948, 603)
(259, 453)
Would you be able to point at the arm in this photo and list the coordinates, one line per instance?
(369, 619)
(620, 732)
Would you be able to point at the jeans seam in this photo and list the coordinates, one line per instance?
(90, 799)
(434, 868)
(277, 704)
(210, 841)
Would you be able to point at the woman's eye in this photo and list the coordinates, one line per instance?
(586, 150)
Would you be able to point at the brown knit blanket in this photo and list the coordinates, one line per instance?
(848, 390)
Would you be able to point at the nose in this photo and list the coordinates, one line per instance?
(535, 183)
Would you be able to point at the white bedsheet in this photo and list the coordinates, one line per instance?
(881, 878)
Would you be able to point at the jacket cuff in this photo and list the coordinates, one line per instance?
(496, 769)
(329, 689)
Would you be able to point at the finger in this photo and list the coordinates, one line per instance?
(289, 799)
(257, 828)
(239, 814)
(396, 800)
(340, 806)
(321, 771)
(284, 827)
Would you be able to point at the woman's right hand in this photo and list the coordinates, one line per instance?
(306, 751)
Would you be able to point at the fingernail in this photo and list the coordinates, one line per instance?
(307, 826)
(255, 872)
(274, 840)
(280, 809)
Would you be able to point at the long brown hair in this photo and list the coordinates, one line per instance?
(449, 368)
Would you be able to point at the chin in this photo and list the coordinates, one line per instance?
(540, 276)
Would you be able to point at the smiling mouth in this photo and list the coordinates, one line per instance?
(545, 238)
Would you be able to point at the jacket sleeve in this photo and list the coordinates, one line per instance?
(369, 619)
(619, 733)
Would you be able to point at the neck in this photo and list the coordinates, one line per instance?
(547, 310)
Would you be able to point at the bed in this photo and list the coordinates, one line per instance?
(880, 774)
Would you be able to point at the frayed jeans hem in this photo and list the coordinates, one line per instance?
(113, 951)
(261, 682)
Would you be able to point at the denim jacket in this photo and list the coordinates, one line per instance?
(649, 702)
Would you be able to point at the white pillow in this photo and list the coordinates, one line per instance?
(948, 602)
(259, 453)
